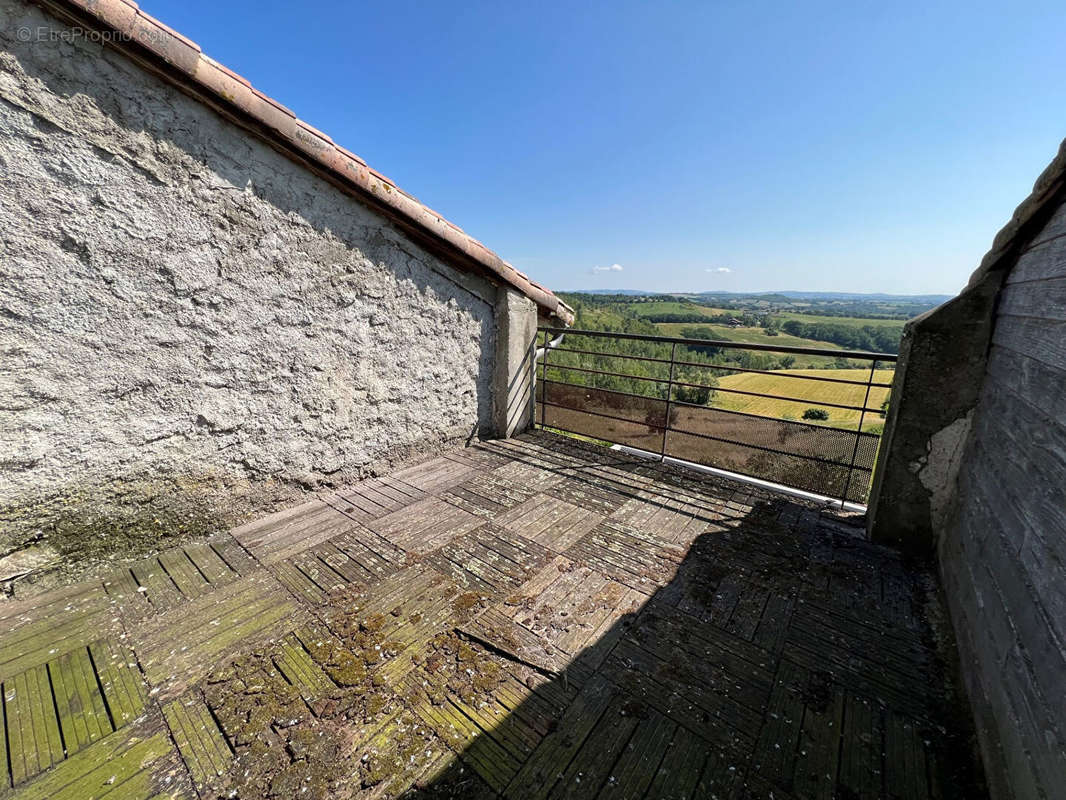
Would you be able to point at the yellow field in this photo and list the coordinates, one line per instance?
(809, 392)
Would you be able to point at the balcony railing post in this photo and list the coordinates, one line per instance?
(544, 380)
(669, 399)
(858, 433)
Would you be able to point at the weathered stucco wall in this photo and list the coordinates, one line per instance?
(179, 299)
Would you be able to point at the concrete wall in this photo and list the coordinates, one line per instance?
(177, 299)
(973, 470)
(1003, 554)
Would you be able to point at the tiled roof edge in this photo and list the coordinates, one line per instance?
(141, 35)
(1007, 241)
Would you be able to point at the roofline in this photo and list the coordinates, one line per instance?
(181, 63)
(1029, 213)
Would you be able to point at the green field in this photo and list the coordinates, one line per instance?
(810, 394)
(757, 336)
(674, 307)
(855, 322)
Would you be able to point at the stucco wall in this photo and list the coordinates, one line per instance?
(179, 299)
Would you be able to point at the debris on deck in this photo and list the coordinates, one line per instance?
(526, 618)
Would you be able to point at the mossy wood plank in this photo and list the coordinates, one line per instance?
(120, 678)
(505, 635)
(302, 587)
(159, 588)
(202, 746)
(236, 557)
(539, 775)
(322, 575)
(48, 642)
(343, 564)
(184, 573)
(83, 716)
(463, 735)
(123, 588)
(210, 564)
(198, 655)
(34, 739)
(303, 673)
(118, 766)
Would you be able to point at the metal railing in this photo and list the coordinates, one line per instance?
(741, 407)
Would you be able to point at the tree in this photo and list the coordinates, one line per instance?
(884, 408)
(816, 413)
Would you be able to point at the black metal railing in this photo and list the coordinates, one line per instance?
(803, 417)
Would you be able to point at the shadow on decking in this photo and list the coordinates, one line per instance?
(781, 661)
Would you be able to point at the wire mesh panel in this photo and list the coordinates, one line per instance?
(714, 404)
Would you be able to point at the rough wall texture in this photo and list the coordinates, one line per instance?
(178, 299)
(938, 379)
(1003, 555)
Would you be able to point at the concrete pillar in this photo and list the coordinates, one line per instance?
(938, 379)
(516, 334)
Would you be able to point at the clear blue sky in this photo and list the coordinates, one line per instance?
(845, 146)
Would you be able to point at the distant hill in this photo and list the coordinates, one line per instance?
(932, 299)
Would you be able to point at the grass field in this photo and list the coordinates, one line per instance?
(674, 307)
(809, 392)
(851, 322)
(757, 336)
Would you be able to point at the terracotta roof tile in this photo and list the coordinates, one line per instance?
(119, 14)
(171, 47)
(219, 82)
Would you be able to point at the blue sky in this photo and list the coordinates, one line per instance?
(697, 146)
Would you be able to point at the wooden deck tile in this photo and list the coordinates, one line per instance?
(486, 495)
(83, 718)
(435, 475)
(131, 764)
(639, 762)
(637, 631)
(591, 492)
(202, 746)
(121, 681)
(426, 525)
(374, 498)
(299, 670)
(862, 744)
(177, 648)
(549, 521)
(629, 556)
(34, 740)
(289, 532)
(489, 560)
(679, 771)
(542, 772)
(33, 633)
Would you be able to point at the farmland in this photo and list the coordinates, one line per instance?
(811, 393)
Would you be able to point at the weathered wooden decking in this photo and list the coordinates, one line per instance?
(529, 618)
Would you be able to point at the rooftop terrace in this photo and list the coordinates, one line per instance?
(524, 618)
